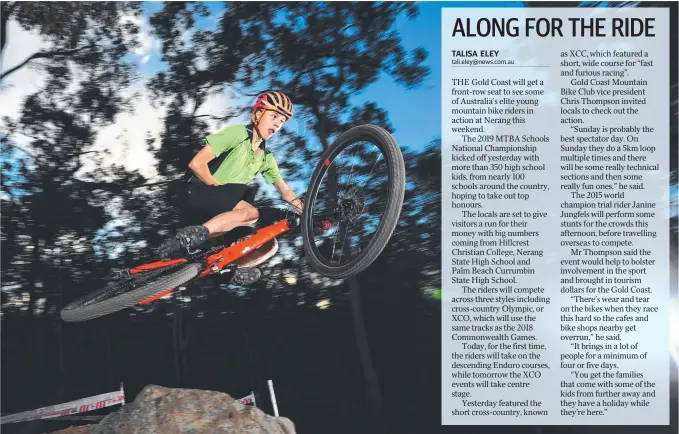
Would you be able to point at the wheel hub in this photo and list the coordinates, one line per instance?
(351, 204)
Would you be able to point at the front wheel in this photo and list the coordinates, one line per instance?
(355, 196)
(129, 292)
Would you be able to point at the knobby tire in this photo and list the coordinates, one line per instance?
(156, 283)
(396, 193)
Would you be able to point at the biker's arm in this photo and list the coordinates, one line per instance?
(198, 165)
(288, 195)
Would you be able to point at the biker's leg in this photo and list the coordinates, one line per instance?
(188, 237)
(211, 203)
(243, 214)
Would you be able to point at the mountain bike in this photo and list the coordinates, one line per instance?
(336, 202)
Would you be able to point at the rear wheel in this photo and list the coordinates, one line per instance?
(128, 292)
(355, 196)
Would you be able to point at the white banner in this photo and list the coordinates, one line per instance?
(73, 407)
(83, 405)
(250, 399)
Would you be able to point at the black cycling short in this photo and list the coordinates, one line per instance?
(207, 201)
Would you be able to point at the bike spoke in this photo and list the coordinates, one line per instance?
(351, 171)
(344, 242)
(350, 179)
(351, 174)
(370, 175)
(334, 244)
(370, 214)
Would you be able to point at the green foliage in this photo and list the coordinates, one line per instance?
(319, 53)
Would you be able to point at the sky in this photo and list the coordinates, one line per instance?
(415, 113)
(416, 128)
(126, 137)
(413, 128)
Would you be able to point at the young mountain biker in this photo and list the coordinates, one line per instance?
(218, 194)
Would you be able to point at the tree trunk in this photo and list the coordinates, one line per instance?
(184, 350)
(35, 271)
(5, 12)
(256, 381)
(60, 338)
(105, 327)
(372, 383)
(176, 331)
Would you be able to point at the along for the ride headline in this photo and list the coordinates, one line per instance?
(626, 27)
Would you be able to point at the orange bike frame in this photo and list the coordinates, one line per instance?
(227, 255)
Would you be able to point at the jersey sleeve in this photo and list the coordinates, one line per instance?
(270, 170)
(225, 139)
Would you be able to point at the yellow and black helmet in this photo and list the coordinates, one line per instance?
(274, 100)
